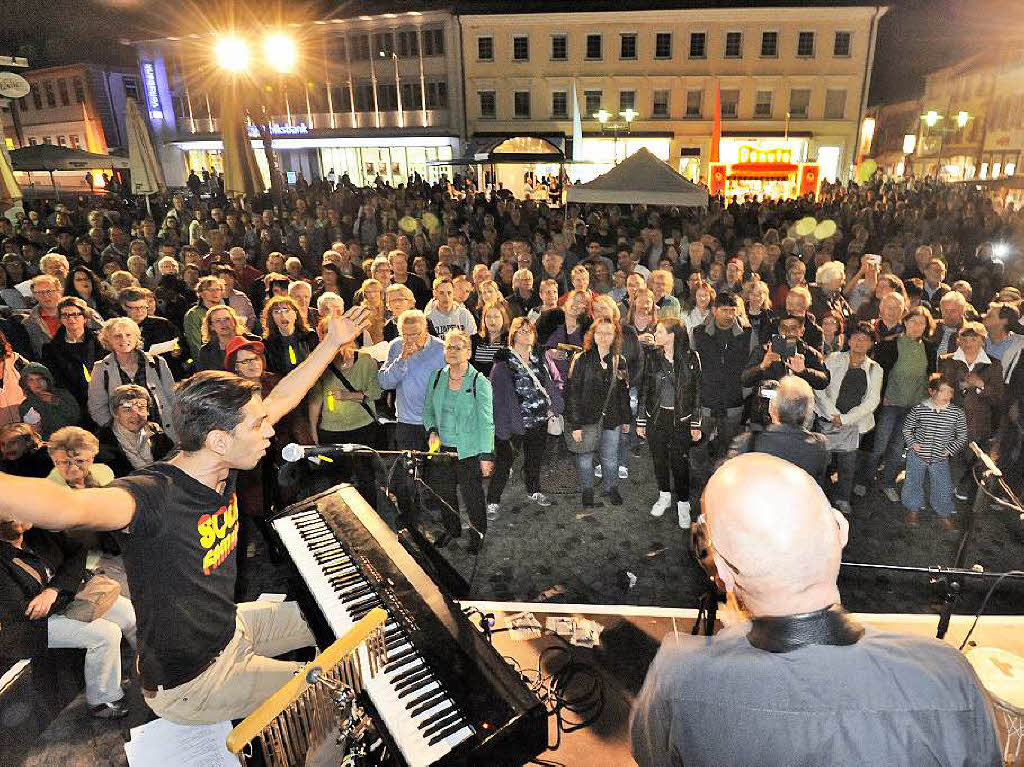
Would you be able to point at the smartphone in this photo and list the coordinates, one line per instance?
(873, 258)
(782, 346)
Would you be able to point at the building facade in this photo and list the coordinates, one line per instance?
(371, 96)
(894, 128)
(81, 106)
(792, 82)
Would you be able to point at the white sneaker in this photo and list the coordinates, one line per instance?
(540, 499)
(661, 505)
(492, 511)
(684, 514)
(623, 472)
(597, 472)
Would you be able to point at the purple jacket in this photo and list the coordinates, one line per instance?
(508, 411)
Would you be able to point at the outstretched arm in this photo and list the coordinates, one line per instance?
(55, 507)
(294, 386)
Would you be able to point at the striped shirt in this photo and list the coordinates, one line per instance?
(940, 433)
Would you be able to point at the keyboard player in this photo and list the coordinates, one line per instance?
(201, 659)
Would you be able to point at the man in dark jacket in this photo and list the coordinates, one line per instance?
(724, 349)
(787, 436)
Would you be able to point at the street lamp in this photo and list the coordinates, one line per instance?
(280, 52)
(603, 116)
(931, 118)
(232, 54)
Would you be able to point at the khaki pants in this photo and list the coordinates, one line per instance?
(242, 676)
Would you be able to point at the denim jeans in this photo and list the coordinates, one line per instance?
(101, 640)
(608, 446)
(888, 445)
(940, 490)
(846, 463)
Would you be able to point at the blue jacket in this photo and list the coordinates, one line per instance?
(409, 377)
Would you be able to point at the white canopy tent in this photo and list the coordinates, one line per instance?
(641, 178)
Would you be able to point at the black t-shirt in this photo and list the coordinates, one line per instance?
(179, 555)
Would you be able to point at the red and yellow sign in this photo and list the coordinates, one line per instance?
(749, 154)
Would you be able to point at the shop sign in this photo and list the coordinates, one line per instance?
(299, 129)
(152, 92)
(749, 154)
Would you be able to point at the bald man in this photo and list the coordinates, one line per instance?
(802, 683)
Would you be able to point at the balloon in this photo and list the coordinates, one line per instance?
(867, 170)
(408, 224)
(430, 221)
(805, 226)
(825, 229)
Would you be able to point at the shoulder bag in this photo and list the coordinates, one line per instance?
(345, 382)
(591, 431)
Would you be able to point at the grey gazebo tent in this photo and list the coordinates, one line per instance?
(641, 178)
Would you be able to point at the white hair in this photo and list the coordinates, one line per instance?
(326, 299)
(830, 271)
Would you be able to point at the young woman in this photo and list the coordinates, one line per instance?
(598, 375)
(220, 325)
(521, 388)
(832, 335)
(703, 299)
(758, 303)
(11, 392)
(491, 336)
(669, 414)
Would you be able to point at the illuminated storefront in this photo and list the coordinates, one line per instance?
(773, 168)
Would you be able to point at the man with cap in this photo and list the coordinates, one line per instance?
(801, 683)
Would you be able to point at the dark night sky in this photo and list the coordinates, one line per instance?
(915, 37)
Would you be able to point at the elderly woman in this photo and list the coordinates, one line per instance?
(128, 364)
(40, 574)
(827, 292)
(758, 303)
(597, 409)
(73, 451)
(132, 441)
(522, 390)
(287, 338)
(341, 410)
(45, 406)
(301, 292)
(371, 295)
(458, 418)
(220, 325)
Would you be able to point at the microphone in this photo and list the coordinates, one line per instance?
(293, 452)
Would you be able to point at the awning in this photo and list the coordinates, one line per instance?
(50, 157)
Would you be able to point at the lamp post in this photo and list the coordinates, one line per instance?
(932, 118)
(603, 116)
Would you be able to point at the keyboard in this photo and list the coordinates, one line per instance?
(445, 696)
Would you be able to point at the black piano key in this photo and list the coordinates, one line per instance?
(440, 721)
(412, 680)
(355, 607)
(394, 640)
(356, 595)
(449, 730)
(422, 698)
(435, 697)
(362, 612)
(391, 668)
(400, 656)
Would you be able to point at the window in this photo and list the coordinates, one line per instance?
(805, 45)
(362, 48)
(663, 45)
(387, 97)
(698, 45)
(408, 44)
(627, 45)
(62, 141)
(769, 45)
(521, 48)
(384, 42)
(488, 105)
(521, 104)
(47, 140)
(131, 88)
(364, 97)
(437, 95)
(730, 103)
(51, 100)
(592, 102)
(660, 106)
(835, 104)
(841, 46)
(733, 45)
(559, 104)
(763, 105)
(799, 102)
(412, 96)
(62, 90)
(559, 47)
(37, 98)
(73, 140)
(433, 42)
(593, 46)
(337, 48)
(693, 103)
(627, 100)
(32, 141)
(485, 48)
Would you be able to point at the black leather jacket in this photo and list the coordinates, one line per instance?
(687, 383)
(587, 388)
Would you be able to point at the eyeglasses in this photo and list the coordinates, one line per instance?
(138, 407)
(247, 361)
(50, 292)
(67, 463)
(454, 348)
(71, 315)
(282, 310)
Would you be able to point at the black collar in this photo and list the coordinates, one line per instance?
(831, 625)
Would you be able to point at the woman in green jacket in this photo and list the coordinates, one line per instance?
(459, 419)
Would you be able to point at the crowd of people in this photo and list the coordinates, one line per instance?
(493, 328)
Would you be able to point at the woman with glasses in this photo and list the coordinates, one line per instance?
(128, 364)
(220, 325)
(286, 336)
(73, 351)
(459, 420)
(73, 451)
(522, 395)
(131, 440)
(371, 296)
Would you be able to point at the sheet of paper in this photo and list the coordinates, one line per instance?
(161, 742)
(270, 597)
(378, 351)
(164, 346)
(523, 626)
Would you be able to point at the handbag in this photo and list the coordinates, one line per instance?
(591, 431)
(94, 599)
